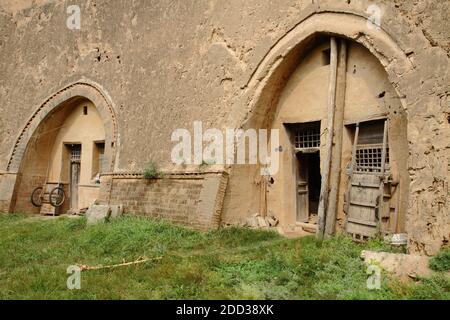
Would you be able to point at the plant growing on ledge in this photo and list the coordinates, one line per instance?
(208, 162)
(151, 171)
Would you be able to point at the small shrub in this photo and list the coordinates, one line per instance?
(208, 162)
(152, 171)
(441, 262)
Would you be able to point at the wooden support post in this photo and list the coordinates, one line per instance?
(263, 197)
(382, 178)
(350, 175)
(352, 168)
(329, 142)
(335, 174)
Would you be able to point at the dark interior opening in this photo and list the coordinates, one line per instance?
(326, 57)
(314, 181)
(309, 168)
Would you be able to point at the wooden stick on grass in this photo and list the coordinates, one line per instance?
(138, 261)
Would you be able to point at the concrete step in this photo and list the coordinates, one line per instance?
(308, 227)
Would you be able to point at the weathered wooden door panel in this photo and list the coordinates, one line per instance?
(367, 198)
(74, 181)
(302, 201)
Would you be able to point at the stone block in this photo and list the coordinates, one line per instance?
(116, 211)
(98, 214)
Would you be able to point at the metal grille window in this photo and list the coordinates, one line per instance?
(307, 136)
(369, 157)
(75, 154)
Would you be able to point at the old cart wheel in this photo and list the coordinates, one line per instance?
(36, 198)
(57, 197)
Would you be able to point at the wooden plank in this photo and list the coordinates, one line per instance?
(379, 116)
(363, 204)
(352, 167)
(381, 204)
(367, 185)
(363, 222)
(331, 107)
(335, 175)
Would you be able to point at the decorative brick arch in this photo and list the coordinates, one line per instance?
(259, 90)
(83, 88)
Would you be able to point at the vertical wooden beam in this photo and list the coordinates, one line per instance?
(352, 169)
(329, 142)
(335, 174)
(382, 178)
(263, 197)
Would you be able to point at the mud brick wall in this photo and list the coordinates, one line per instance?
(173, 62)
(193, 200)
(23, 198)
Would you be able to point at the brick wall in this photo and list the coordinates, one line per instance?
(191, 199)
(25, 186)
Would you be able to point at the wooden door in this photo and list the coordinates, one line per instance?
(302, 189)
(74, 181)
(75, 167)
(363, 206)
(367, 202)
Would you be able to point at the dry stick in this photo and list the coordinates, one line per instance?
(335, 175)
(326, 169)
(140, 260)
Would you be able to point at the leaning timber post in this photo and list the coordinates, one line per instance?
(335, 174)
(263, 197)
(329, 142)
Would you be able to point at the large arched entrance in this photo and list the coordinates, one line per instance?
(68, 143)
(289, 91)
(357, 177)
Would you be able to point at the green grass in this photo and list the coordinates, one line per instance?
(229, 263)
(441, 262)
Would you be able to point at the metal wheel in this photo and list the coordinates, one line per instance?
(36, 197)
(57, 197)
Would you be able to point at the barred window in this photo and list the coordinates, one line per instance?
(369, 158)
(307, 135)
(75, 154)
(369, 150)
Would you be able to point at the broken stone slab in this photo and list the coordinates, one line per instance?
(256, 221)
(307, 227)
(116, 211)
(251, 222)
(402, 265)
(262, 222)
(98, 214)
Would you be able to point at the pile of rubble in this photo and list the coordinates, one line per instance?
(258, 221)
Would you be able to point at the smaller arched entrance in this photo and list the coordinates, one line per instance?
(68, 143)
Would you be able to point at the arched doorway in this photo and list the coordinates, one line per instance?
(68, 143)
(263, 109)
(360, 176)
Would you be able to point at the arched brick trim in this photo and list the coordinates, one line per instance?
(82, 88)
(342, 24)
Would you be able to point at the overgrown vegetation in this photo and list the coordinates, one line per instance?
(152, 171)
(441, 262)
(232, 263)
